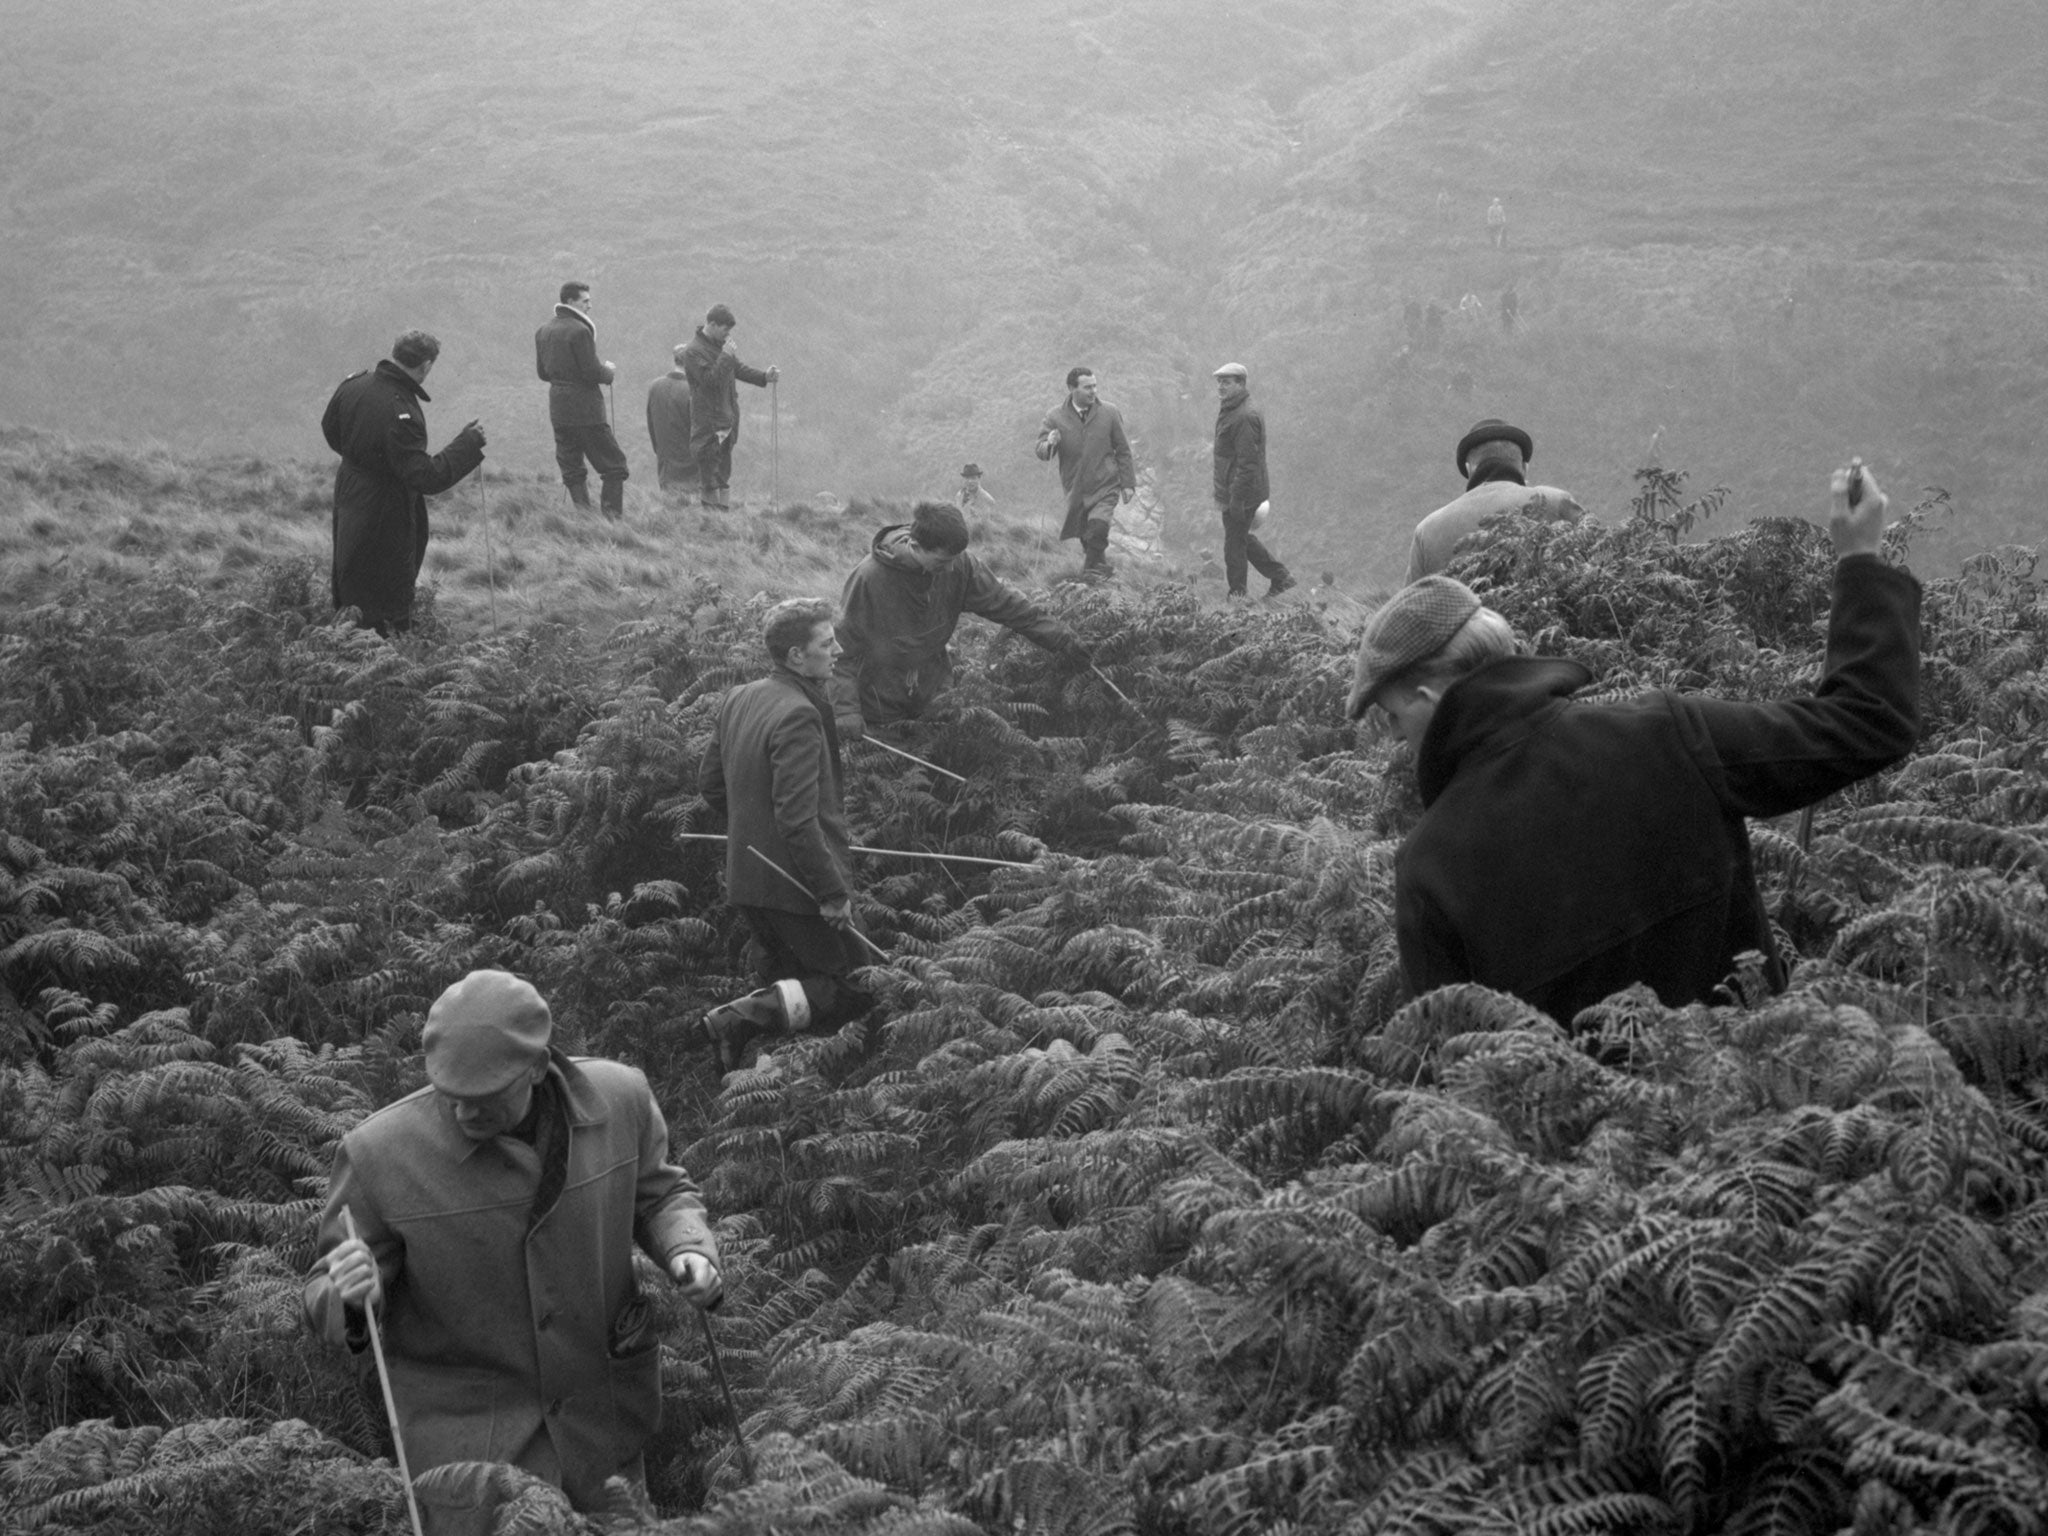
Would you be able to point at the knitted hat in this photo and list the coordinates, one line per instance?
(1494, 430)
(483, 1032)
(718, 314)
(1411, 626)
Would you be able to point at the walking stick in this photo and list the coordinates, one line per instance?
(774, 447)
(883, 853)
(1112, 687)
(880, 953)
(412, 1504)
(739, 1437)
(957, 778)
(483, 502)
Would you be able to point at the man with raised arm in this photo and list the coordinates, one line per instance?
(712, 363)
(375, 422)
(1085, 434)
(1567, 850)
(496, 1211)
(900, 608)
(1494, 457)
(565, 356)
(772, 770)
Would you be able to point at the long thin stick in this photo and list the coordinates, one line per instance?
(739, 1437)
(958, 778)
(348, 1221)
(880, 953)
(483, 502)
(1112, 687)
(886, 853)
(774, 447)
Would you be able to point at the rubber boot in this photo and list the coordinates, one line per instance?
(612, 498)
(579, 495)
(779, 1009)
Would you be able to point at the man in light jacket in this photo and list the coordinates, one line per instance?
(496, 1211)
(668, 424)
(1085, 433)
(565, 356)
(1494, 457)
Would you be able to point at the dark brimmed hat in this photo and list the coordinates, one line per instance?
(970, 471)
(484, 1031)
(1494, 430)
(1411, 626)
(718, 314)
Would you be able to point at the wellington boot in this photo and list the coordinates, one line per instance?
(579, 496)
(779, 1009)
(612, 499)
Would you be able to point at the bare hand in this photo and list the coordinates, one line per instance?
(838, 911)
(1129, 492)
(774, 374)
(697, 1278)
(352, 1271)
(729, 349)
(1857, 530)
(1052, 437)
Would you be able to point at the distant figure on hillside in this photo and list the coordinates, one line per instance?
(1497, 224)
(1443, 207)
(1086, 435)
(1493, 457)
(900, 608)
(1471, 307)
(715, 371)
(1240, 486)
(375, 422)
(565, 356)
(1568, 849)
(668, 424)
(496, 1211)
(972, 493)
(1510, 308)
(772, 770)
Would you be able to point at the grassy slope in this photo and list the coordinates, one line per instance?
(924, 211)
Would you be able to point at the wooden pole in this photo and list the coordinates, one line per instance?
(731, 1411)
(880, 953)
(885, 853)
(957, 778)
(412, 1503)
(483, 502)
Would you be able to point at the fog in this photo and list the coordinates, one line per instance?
(1744, 239)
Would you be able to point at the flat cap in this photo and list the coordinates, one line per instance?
(718, 314)
(484, 1031)
(1494, 430)
(1411, 626)
(1231, 371)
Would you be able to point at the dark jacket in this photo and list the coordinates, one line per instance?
(375, 422)
(1570, 849)
(714, 389)
(897, 620)
(492, 1328)
(1094, 457)
(565, 355)
(668, 424)
(1240, 459)
(772, 770)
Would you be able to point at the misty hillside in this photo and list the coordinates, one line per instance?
(1745, 238)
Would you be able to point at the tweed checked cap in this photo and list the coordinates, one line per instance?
(484, 1031)
(1411, 626)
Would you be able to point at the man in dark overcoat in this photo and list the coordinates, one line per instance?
(773, 771)
(565, 356)
(375, 421)
(1240, 484)
(1085, 435)
(668, 425)
(1568, 850)
(712, 363)
(496, 1211)
(899, 610)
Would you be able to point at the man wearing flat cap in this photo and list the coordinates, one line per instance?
(1568, 850)
(1494, 458)
(712, 364)
(496, 1213)
(1240, 484)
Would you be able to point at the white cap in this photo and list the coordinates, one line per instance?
(1237, 369)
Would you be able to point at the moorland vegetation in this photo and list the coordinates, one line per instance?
(1146, 1201)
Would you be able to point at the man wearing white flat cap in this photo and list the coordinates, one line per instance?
(1240, 483)
(496, 1213)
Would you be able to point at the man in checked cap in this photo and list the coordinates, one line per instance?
(1568, 849)
(496, 1212)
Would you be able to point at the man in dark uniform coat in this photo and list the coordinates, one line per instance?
(773, 770)
(386, 474)
(668, 426)
(565, 355)
(1240, 483)
(712, 364)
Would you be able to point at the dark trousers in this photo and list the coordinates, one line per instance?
(1240, 545)
(794, 946)
(714, 465)
(601, 447)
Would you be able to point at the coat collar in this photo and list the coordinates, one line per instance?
(888, 550)
(586, 1106)
(1488, 472)
(388, 369)
(571, 312)
(1491, 709)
